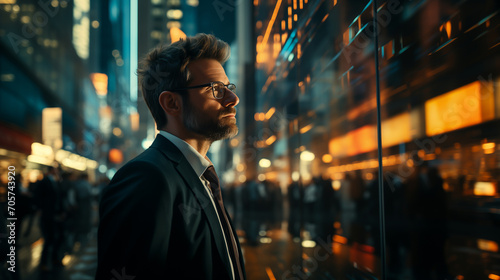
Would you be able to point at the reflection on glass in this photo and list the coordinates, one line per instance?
(440, 108)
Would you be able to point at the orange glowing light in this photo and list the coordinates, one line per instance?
(115, 156)
(234, 142)
(396, 130)
(339, 239)
(134, 121)
(327, 158)
(448, 29)
(176, 34)
(489, 148)
(270, 113)
(100, 82)
(306, 128)
(494, 277)
(336, 248)
(270, 273)
(270, 140)
(346, 36)
(284, 36)
(324, 18)
(487, 245)
(271, 22)
(485, 188)
(453, 110)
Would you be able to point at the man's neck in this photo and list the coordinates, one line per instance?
(199, 144)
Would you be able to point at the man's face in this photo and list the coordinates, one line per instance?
(214, 119)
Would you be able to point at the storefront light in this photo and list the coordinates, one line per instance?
(265, 163)
(242, 178)
(327, 158)
(174, 14)
(308, 244)
(307, 156)
(261, 177)
(336, 185)
(489, 148)
(484, 189)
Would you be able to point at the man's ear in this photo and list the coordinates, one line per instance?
(171, 103)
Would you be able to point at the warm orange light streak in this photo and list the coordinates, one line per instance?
(339, 239)
(271, 22)
(270, 273)
(306, 128)
(270, 140)
(448, 29)
(323, 20)
(284, 36)
(283, 25)
(270, 113)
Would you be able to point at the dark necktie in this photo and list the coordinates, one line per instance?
(211, 176)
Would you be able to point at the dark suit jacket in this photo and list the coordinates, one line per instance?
(157, 222)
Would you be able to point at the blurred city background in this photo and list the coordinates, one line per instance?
(301, 179)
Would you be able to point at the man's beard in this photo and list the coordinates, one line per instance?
(212, 130)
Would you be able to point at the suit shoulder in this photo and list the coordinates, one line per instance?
(150, 159)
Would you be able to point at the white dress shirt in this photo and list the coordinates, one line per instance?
(199, 164)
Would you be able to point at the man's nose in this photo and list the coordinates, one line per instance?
(230, 99)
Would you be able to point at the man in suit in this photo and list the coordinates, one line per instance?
(162, 215)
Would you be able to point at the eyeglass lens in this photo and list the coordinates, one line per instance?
(219, 89)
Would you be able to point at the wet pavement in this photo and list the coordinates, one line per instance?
(277, 248)
(80, 264)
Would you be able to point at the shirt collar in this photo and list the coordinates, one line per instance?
(195, 159)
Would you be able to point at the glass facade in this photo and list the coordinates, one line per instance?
(324, 74)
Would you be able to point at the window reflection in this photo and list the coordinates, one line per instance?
(440, 112)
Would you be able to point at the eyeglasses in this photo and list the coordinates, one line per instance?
(218, 88)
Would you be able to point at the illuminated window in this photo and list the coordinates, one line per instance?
(174, 14)
(173, 24)
(193, 3)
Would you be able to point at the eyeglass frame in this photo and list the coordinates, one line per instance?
(211, 84)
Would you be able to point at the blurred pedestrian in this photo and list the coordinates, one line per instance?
(49, 199)
(83, 211)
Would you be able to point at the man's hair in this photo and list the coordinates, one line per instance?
(165, 68)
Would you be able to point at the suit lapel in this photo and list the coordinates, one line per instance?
(197, 188)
